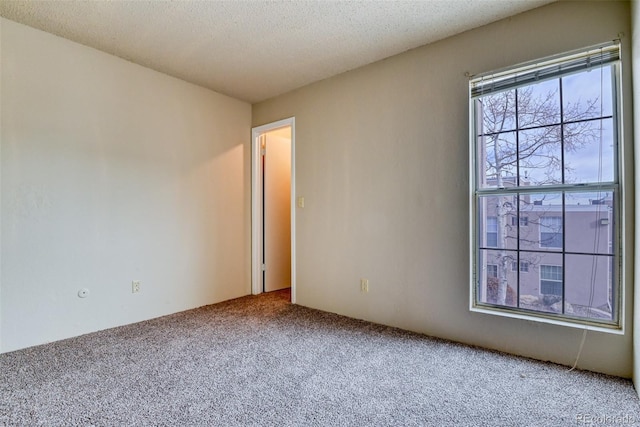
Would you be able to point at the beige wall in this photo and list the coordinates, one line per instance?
(111, 172)
(382, 161)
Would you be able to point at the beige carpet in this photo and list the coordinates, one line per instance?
(259, 361)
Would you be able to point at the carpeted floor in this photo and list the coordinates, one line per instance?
(259, 361)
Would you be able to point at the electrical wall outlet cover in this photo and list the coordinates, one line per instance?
(135, 286)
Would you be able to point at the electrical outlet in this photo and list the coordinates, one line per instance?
(364, 285)
(135, 286)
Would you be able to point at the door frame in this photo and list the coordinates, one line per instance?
(256, 205)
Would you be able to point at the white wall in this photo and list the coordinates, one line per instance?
(635, 47)
(111, 172)
(382, 161)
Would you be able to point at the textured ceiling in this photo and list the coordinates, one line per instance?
(255, 49)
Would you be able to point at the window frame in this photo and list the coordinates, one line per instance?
(616, 187)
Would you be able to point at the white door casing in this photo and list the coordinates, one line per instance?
(256, 204)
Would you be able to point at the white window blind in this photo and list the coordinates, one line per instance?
(549, 69)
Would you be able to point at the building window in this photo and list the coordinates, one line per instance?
(492, 270)
(492, 231)
(524, 221)
(551, 280)
(524, 266)
(546, 188)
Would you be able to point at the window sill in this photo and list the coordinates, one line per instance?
(573, 323)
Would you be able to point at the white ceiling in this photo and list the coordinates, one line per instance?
(256, 49)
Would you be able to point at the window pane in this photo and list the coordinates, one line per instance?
(498, 112)
(545, 226)
(494, 222)
(541, 287)
(589, 152)
(588, 290)
(540, 156)
(497, 284)
(589, 222)
(551, 231)
(497, 160)
(587, 94)
(539, 104)
(527, 231)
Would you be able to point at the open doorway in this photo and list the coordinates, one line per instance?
(273, 214)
